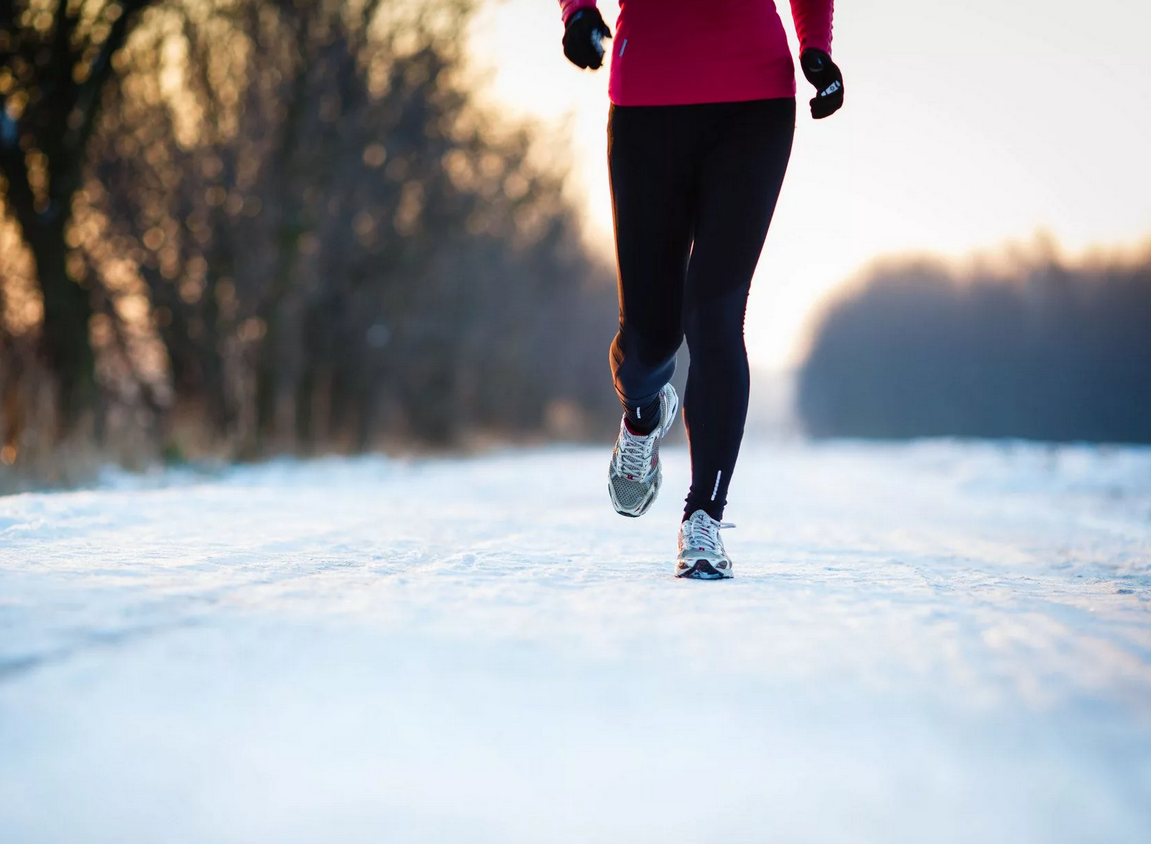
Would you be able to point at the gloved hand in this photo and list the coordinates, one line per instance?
(583, 38)
(821, 72)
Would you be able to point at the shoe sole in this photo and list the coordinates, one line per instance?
(703, 570)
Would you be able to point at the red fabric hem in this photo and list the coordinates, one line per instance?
(696, 95)
(570, 7)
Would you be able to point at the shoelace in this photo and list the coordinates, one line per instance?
(699, 535)
(635, 455)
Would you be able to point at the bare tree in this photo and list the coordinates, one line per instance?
(56, 62)
(339, 247)
(1043, 350)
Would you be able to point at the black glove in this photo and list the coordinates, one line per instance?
(821, 72)
(583, 38)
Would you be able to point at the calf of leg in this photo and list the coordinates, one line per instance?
(715, 404)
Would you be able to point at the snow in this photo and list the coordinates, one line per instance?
(943, 642)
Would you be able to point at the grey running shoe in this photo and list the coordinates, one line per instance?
(635, 474)
(701, 555)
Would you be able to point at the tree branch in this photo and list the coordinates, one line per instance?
(19, 196)
(88, 98)
(59, 86)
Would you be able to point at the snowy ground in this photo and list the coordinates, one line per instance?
(923, 643)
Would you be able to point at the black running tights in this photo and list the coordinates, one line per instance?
(693, 191)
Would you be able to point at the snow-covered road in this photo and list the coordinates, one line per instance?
(934, 642)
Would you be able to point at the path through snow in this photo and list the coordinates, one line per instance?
(935, 642)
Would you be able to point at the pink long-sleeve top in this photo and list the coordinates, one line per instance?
(674, 52)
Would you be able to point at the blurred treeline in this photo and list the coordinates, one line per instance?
(1024, 346)
(237, 227)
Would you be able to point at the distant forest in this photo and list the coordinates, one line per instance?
(1040, 349)
(244, 227)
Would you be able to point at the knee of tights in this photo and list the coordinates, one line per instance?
(646, 352)
(721, 342)
(714, 324)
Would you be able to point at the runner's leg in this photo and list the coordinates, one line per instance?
(742, 170)
(652, 182)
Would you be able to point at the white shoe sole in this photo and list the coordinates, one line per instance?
(701, 568)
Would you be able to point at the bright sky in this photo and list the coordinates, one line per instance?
(966, 125)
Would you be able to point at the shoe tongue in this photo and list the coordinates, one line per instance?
(703, 525)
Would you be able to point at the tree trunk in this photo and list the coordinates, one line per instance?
(64, 340)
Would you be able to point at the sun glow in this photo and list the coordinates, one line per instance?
(966, 126)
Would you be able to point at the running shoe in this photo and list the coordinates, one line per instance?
(635, 475)
(701, 554)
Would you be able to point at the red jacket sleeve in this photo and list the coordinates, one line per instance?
(812, 23)
(570, 7)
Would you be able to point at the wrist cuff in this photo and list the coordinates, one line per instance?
(570, 7)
